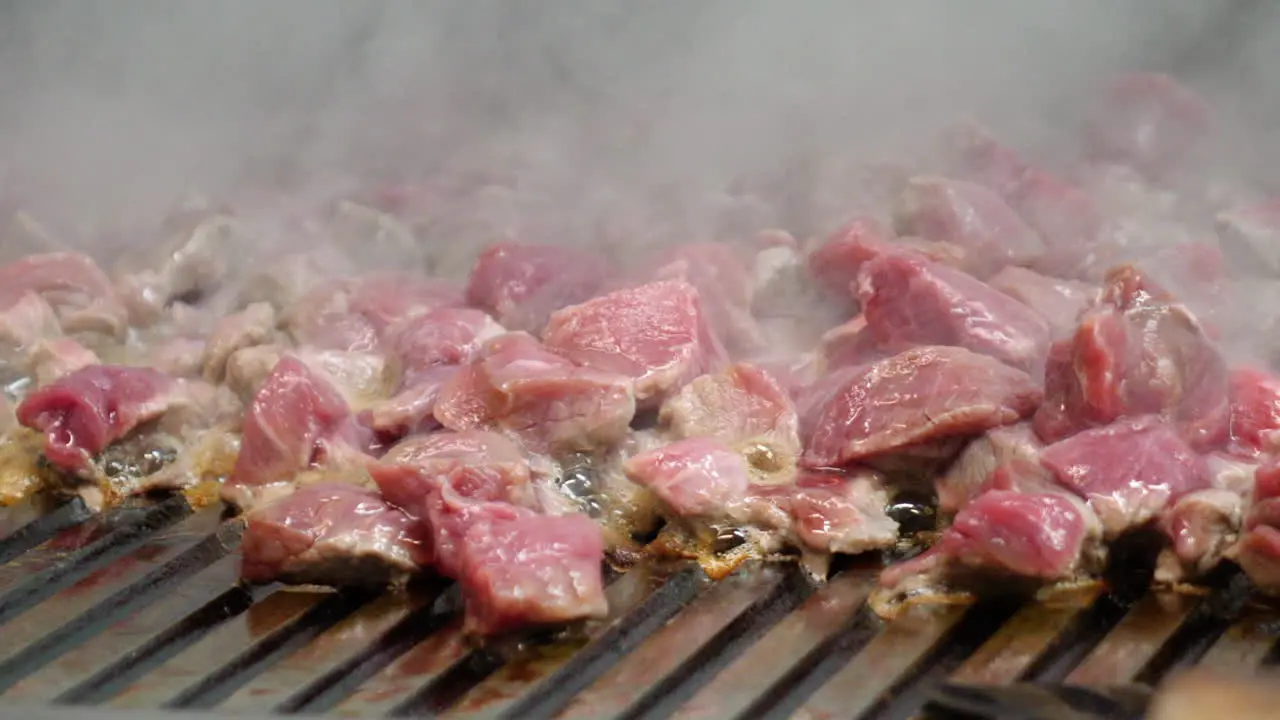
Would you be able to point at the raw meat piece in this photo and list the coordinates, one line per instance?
(297, 420)
(201, 251)
(836, 263)
(384, 298)
(655, 333)
(1255, 412)
(1039, 536)
(1136, 355)
(836, 513)
(429, 348)
(523, 284)
(970, 474)
(551, 404)
(979, 158)
(332, 534)
(352, 314)
(1129, 471)
(918, 396)
(743, 406)
(724, 286)
(1067, 220)
(24, 324)
(52, 360)
(1258, 551)
(850, 344)
(1147, 121)
(1059, 302)
(254, 325)
(73, 285)
(969, 216)
(1201, 527)
(475, 464)
(178, 357)
(696, 478)
(910, 301)
(84, 412)
(523, 569)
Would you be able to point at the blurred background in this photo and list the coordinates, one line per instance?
(118, 106)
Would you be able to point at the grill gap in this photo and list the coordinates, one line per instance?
(221, 683)
(114, 544)
(682, 683)
(133, 597)
(44, 528)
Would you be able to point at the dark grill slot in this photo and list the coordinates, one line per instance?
(43, 528)
(139, 609)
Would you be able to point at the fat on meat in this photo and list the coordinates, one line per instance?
(969, 216)
(85, 411)
(743, 406)
(1129, 471)
(919, 396)
(332, 534)
(656, 334)
(910, 301)
(971, 472)
(841, 513)
(1201, 527)
(695, 478)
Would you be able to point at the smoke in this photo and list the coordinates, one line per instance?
(117, 109)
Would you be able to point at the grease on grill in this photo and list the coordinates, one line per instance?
(135, 459)
(578, 483)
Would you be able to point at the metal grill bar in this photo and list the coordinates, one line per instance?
(139, 609)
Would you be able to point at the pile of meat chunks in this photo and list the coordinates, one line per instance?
(1044, 352)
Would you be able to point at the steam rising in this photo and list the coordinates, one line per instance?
(117, 109)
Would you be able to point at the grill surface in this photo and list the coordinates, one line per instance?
(138, 610)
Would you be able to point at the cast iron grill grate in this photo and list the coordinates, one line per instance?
(137, 610)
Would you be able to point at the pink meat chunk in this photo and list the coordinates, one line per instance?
(523, 284)
(742, 405)
(919, 396)
(1043, 536)
(473, 464)
(909, 301)
(25, 323)
(1149, 122)
(971, 472)
(654, 333)
(1255, 413)
(850, 344)
(549, 402)
(969, 216)
(1258, 551)
(1129, 472)
(352, 314)
(1201, 527)
(297, 420)
(521, 569)
(1059, 302)
(52, 360)
(725, 288)
(84, 412)
(429, 349)
(1136, 355)
(73, 284)
(836, 263)
(698, 477)
(838, 513)
(332, 534)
